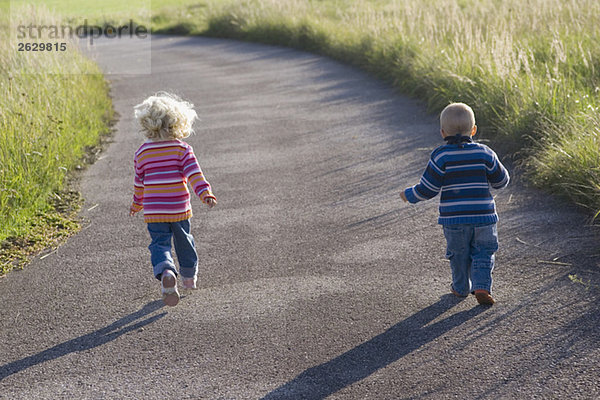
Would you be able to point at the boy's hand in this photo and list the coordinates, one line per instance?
(211, 202)
(403, 196)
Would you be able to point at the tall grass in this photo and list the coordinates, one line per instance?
(530, 69)
(47, 119)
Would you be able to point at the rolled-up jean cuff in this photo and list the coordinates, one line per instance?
(188, 272)
(161, 267)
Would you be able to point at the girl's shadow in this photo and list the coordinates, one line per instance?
(382, 350)
(89, 341)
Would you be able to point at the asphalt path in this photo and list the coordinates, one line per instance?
(316, 281)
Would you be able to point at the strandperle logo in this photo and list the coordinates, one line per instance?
(82, 31)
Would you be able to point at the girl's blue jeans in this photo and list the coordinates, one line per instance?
(161, 234)
(470, 249)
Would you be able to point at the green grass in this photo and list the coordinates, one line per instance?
(91, 9)
(47, 122)
(531, 73)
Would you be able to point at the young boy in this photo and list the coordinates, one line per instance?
(464, 171)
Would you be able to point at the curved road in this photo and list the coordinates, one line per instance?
(315, 279)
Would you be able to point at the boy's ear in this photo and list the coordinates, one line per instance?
(474, 130)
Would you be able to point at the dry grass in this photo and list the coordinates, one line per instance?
(531, 70)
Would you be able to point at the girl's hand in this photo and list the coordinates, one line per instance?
(132, 213)
(211, 202)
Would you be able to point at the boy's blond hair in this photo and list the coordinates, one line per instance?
(165, 116)
(457, 118)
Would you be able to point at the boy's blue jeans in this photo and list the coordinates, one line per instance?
(471, 251)
(161, 234)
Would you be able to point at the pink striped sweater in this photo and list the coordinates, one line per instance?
(162, 171)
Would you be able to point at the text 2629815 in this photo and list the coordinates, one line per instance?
(41, 46)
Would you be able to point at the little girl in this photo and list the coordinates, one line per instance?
(163, 166)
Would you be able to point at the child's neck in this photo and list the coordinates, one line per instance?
(458, 139)
(149, 140)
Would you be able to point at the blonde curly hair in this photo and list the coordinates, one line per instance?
(165, 116)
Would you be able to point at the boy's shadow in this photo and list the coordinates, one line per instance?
(382, 350)
(86, 342)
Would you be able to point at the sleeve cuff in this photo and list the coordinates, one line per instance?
(136, 207)
(205, 195)
(410, 195)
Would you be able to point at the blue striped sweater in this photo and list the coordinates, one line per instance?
(464, 174)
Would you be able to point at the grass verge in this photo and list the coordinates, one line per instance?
(49, 121)
(532, 74)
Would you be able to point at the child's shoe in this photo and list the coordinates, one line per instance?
(484, 297)
(168, 283)
(189, 283)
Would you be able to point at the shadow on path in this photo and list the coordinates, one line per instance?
(86, 342)
(382, 350)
